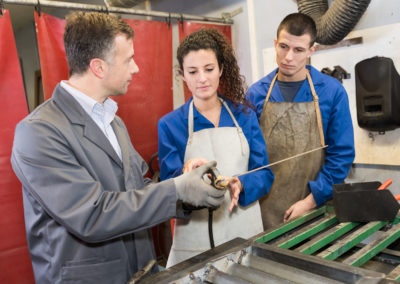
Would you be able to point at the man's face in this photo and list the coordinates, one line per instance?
(292, 53)
(120, 66)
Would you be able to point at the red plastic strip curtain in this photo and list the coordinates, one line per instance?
(186, 28)
(53, 62)
(149, 96)
(15, 263)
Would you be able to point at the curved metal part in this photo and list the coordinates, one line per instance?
(334, 22)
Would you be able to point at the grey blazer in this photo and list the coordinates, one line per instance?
(87, 213)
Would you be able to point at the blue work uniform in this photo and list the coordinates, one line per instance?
(336, 123)
(173, 136)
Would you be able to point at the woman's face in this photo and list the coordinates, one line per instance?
(201, 73)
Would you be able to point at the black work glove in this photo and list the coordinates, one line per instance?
(192, 189)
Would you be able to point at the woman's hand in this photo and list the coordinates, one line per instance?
(235, 188)
(193, 163)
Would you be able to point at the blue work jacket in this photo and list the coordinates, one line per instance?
(173, 136)
(336, 120)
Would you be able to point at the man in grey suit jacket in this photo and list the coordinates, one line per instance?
(88, 208)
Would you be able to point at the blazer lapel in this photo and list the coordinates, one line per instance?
(94, 134)
(124, 143)
(77, 115)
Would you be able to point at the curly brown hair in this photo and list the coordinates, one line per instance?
(232, 85)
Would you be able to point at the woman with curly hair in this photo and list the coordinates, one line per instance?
(215, 124)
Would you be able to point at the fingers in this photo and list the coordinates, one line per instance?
(205, 167)
(231, 206)
(192, 164)
(288, 214)
(234, 189)
(234, 203)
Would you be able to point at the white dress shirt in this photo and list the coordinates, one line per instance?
(102, 114)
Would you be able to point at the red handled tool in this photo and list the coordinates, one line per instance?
(385, 185)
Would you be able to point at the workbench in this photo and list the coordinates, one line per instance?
(315, 248)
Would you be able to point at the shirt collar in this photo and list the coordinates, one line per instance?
(88, 103)
(316, 76)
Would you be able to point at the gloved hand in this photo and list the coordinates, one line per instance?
(192, 189)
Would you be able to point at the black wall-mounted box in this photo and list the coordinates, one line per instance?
(377, 94)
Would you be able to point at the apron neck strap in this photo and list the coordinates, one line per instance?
(191, 123)
(317, 109)
(230, 113)
(270, 88)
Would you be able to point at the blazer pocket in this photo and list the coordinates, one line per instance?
(100, 272)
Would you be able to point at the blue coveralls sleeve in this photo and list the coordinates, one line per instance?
(339, 137)
(256, 184)
(170, 160)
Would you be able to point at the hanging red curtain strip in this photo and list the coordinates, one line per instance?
(15, 263)
(53, 62)
(186, 28)
(149, 96)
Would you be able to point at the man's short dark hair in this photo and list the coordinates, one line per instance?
(298, 24)
(91, 35)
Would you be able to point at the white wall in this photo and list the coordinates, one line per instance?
(269, 13)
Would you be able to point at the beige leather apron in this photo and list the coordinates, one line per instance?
(229, 147)
(289, 129)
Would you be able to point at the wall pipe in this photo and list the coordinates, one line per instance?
(129, 11)
(334, 22)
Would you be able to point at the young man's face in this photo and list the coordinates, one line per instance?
(292, 53)
(120, 66)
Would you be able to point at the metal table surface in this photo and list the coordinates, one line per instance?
(315, 248)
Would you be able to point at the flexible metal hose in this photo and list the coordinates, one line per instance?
(334, 22)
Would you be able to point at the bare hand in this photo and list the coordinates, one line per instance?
(235, 187)
(193, 163)
(300, 208)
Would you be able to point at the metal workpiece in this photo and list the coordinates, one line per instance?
(375, 247)
(307, 232)
(281, 271)
(261, 263)
(313, 269)
(314, 248)
(254, 275)
(327, 237)
(216, 276)
(394, 274)
(351, 240)
(280, 231)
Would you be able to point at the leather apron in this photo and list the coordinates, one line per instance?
(290, 128)
(229, 147)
